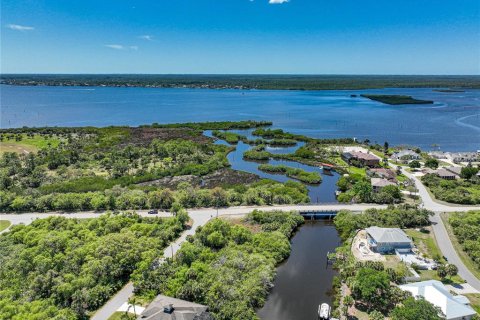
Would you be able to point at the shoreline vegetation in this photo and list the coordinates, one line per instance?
(261, 82)
(395, 99)
(295, 173)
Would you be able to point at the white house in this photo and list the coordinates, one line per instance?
(385, 240)
(405, 156)
(452, 307)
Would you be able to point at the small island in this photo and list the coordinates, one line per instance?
(395, 99)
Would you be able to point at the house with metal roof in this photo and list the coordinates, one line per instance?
(385, 240)
(168, 308)
(453, 307)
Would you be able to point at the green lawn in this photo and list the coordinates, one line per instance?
(121, 316)
(355, 170)
(425, 242)
(4, 224)
(432, 275)
(458, 247)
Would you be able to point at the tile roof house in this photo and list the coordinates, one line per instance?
(379, 183)
(455, 170)
(365, 159)
(384, 173)
(452, 307)
(167, 308)
(446, 174)
(385, 240)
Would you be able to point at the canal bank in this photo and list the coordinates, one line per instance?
(304, 280)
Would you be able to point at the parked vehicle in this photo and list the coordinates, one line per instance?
(154, 211)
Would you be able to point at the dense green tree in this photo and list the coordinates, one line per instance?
(431, 163)
(415, 309)
(372, 287)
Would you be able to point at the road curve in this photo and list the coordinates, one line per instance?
(450, 253)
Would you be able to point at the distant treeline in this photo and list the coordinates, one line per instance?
(281, 82)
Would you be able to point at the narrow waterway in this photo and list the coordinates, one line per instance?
(318, 193)
(304, 280)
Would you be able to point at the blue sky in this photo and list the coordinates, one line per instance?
(241, 36)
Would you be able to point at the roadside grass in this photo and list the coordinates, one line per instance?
(458, 247)
(120, 315)
(4, 224)
(474, 300)
(425, 242)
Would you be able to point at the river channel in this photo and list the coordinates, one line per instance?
(304, 280)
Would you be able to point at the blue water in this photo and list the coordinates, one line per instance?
(318, 193)
(453, 122)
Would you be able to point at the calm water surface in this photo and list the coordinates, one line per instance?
(318, 193)
(453, 121)
(303, 281)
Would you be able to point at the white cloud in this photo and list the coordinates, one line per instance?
(115, 46)
(19, 27)
(121, 47)
(146, 37)
(277, 1)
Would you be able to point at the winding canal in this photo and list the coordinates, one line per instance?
(318, 193)
(304, 280)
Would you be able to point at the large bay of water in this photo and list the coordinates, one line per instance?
(453, 121)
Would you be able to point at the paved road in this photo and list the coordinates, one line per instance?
(441, 235)
(27, 218)
(449, 252)
(428, 202)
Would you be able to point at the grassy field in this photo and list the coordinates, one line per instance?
(458, 248)
(28, 143)
(4, 224)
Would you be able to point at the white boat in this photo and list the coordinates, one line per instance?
(324, 311)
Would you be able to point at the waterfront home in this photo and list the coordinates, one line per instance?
(452, 307)
(465, 157)
(438, 154)
(445, 174)
(384, 173)
(405, 156)
(379, 183)
(361, 159)
(168, 308)
(385, 240)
